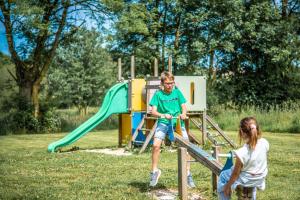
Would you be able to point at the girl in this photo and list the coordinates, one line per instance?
(250, 169)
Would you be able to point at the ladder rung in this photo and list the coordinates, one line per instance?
(139, 142)
(151, 117)
(145, 129)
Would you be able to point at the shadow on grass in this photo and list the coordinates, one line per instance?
(144, 186)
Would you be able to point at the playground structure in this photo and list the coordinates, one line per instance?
(130, 100)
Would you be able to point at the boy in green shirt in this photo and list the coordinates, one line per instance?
(166, 104)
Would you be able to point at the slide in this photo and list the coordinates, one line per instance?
(115, 101)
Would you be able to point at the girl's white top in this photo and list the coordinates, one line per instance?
(254, 161)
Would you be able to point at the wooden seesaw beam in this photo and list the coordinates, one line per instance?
(200, 155)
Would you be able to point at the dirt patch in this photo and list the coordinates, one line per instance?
(115, 152)
(169, 194)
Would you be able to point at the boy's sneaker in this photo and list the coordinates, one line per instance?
(154, 177)
(190, 181)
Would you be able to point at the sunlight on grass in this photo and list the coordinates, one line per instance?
(28, 171)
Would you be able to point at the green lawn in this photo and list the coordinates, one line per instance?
(28, 171)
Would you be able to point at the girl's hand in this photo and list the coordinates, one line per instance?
(227, 190)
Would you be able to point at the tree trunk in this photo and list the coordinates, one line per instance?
(176, 42)
(35, 99)
(25, 90)
(29, 93)
(284, 8)
(29, 88)
(211, 71)
(164, 31)
(157, 18)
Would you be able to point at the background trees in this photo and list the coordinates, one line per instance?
(81, 73)
(34, 30)
(249, 50)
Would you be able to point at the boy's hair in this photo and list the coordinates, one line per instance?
(250, 127)
(166, 75)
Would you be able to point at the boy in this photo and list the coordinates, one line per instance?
(167, 103)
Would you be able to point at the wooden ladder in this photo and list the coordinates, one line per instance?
(213, 138)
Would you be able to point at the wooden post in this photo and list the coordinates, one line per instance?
(119, 69)
(120, 131)
(182, 173)
(132, 67)
(214, 178)
(155, 67)
(170, 64)
(187, 125)
(204, 129)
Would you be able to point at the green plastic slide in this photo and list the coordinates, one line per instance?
(115, 101)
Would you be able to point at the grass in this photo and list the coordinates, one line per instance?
(277, 119)
(28, 171)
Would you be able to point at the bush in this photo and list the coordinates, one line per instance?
(15, 121)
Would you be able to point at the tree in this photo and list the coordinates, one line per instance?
(259, 69)
(34, 30)
(82, 72)
(249, 47)
(7, 84)
(148, 30)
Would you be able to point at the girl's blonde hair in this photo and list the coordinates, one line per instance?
(250, 128)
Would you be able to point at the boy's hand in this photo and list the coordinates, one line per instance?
(168, 116)
(183, 116)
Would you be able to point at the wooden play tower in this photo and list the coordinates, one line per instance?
(137, 127)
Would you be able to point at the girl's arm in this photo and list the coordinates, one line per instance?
(235, 174)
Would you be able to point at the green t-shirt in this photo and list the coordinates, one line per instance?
(168, 103)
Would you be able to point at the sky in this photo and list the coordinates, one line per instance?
(3, 42)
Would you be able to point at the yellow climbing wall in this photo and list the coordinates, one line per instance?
(137, 103)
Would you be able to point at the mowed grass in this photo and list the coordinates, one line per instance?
(28, 171)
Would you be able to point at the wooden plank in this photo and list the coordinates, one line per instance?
(182, 173)
(148, 138)
(216, 151)
(119, 69)
(193, 138)
(204, 128)
(200, 155)
(132, 67)
(197, 124)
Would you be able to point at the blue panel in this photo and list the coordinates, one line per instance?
(136, 119)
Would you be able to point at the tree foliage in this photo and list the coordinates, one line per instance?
(34, 30)
(250, 48)
(82, 72)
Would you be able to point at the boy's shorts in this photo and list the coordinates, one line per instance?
(162, 130)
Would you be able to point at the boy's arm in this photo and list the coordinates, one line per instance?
(183, 111)
(159, 115)
(155, 112)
